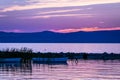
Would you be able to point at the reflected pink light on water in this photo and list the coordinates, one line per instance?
(82, 70)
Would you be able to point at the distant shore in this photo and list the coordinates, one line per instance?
(26, 53)
(112, 36)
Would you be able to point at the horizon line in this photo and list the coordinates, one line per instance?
(57, 32)
(69, 30)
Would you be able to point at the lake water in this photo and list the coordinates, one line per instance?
(66, 47)
(72, 70)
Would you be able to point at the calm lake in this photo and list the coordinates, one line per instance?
(72, 70)
(66, 47)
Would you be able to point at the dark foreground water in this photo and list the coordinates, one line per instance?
(67, 47)
(72, 70)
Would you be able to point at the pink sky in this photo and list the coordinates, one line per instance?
(85, 29)
(59, 15)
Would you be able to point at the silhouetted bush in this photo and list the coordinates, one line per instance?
(26, 53)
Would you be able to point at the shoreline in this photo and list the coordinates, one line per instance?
(26, 53)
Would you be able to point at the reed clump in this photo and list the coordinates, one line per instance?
(16, 53)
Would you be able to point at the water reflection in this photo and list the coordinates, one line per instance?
(16, 67)
(25, 67)
(72, 70)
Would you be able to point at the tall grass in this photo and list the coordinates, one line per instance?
(15, 50)
(16, 53)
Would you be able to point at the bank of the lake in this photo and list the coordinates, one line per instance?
(26, 53)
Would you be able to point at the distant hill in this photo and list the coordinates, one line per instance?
(52, 37)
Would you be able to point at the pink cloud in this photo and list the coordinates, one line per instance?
(39, 4)
(60, 11)
(85, 29)
(60, 15)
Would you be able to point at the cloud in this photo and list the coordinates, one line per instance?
(85, 29)
(60, 11)
(2, 15)
(37, 4)
(72, 1)
(60, 15)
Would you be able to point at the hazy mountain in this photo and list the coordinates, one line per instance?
(52, 37)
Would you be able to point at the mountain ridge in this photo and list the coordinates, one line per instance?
(112, 36)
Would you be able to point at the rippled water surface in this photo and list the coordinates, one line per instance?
(72, 70)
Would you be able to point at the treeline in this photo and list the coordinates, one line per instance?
(27, 53)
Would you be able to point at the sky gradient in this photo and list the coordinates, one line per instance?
(59, 15)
